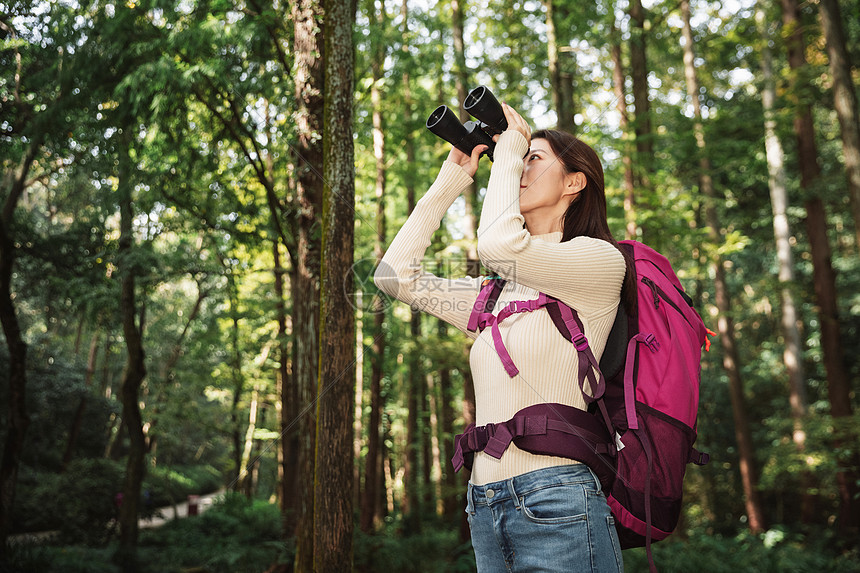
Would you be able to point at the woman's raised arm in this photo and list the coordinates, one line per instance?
(402, 275)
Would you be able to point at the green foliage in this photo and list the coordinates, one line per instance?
(207, 94)
(235, 535)
(775, 551)
(436, 549)
(79, 503)
(25, 558)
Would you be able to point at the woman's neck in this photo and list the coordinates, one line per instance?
(542, 224)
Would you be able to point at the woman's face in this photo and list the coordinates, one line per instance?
(545, 188)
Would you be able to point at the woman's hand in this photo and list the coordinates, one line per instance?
(469, 163)
(515, 123)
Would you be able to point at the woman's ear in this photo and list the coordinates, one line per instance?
(574, 183)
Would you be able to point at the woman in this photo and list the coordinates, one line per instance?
(543, 228)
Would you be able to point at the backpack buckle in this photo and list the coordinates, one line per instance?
(580, 342)
(522, 305)
(652, 343)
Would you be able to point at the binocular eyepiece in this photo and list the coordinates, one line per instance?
(482, 105)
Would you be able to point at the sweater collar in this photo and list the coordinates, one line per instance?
(554, 237)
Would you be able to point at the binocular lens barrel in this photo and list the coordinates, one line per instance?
(474, 97)
(445, 124)
(439, 114)
(483, 105)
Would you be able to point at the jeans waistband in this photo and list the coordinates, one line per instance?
(516, 486)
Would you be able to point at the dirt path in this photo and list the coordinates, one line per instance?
(162, 516)
(165, 514)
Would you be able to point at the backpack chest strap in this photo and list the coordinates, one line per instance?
(513, 307)
(483, 317)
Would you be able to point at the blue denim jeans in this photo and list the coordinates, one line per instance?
(551, 520)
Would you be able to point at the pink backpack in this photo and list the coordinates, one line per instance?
(639, 431)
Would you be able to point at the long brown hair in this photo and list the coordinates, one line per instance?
(586, 214)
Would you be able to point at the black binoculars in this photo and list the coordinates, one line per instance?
(482, 105)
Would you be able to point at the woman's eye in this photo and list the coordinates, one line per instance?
(533, 156)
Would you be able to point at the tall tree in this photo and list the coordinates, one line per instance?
(372, 474)
(135, 370)
(618, 88)
(731, 358)
(560, 78)
(23, 119)
(470, 195)
(411, 475)
(333, 512)
(824, 276)
(644, 160)
(305, 271)
(845, 103)
(18, 418)
(792, 354)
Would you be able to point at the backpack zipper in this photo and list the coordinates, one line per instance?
(660, 294)
(654, 291)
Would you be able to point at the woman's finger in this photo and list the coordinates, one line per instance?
(476, 158)
(516, 121)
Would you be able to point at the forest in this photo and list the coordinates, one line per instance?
(195, 195)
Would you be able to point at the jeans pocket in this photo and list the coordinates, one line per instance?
(555, 504)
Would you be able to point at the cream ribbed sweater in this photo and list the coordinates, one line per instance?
(584, 273)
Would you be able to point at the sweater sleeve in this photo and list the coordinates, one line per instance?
(401, 273)
(584, 273)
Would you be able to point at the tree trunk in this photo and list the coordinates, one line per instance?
(285, 406)
(411, 502)
(305, 274)
(426, 429)
(135, 370)
(371, 469)
(470, 195)
(451, 507)
(559, 79)
(731, 361)
(845, 103)
(18, 419)
(793, 353)
(433, 455)
(238, 382)
(333, 510)
(411, 473)
(824, 276)
(643, 163)
(245, 471)
(618, 79)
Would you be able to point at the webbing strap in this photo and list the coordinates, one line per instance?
(588, 364)
(646, 447)
(494, 439)
(483, 317)
(629, 368)
(482, 310)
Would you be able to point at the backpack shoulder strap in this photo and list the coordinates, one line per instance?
(569, 325)
(486, 301)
